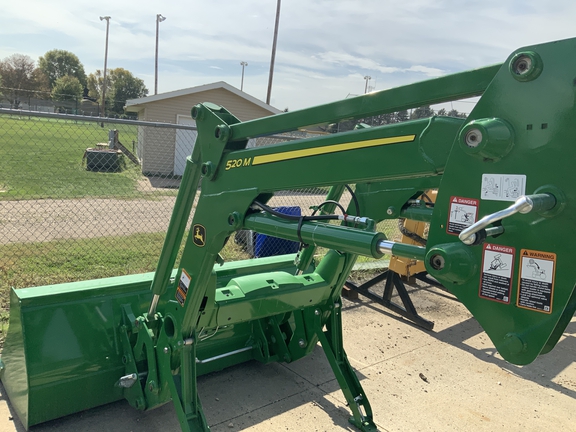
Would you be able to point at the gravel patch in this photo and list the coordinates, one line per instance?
(45, 220)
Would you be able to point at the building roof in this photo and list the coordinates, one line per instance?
(134, 104)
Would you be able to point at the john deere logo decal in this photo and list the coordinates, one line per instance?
(199, 235)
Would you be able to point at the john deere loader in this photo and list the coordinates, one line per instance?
(499, 240)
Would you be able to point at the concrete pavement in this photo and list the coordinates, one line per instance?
(449, 379)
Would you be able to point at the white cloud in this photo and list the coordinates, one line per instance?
(354, 61)
(325, 47)
(428, 71)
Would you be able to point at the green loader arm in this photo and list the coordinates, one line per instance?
(498, 241)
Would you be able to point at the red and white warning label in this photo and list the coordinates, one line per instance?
(463, 213)
(183, 285)
(536, 284)
(497, 270)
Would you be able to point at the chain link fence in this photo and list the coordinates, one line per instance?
(43, 101)
(95, 196)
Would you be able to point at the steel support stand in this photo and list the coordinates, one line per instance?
(407, 309)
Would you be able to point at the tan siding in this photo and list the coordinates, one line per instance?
(159, 144)
(166, 110)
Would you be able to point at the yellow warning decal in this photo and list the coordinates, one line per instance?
(536, 280)
(296, 154)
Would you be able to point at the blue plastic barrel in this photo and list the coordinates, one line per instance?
(266, 245)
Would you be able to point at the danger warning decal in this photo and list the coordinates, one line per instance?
(182, 290)
(497, 266)
(536, 284)
(463, 213)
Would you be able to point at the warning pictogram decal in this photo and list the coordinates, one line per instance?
(503, 187)
(497, 270)
(183, 285)
(536, 281)
(463, 213)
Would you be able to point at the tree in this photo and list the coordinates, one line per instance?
(401, 116)
(67, 88)
(66, 93)
(58, 63)
(21, 78)
(455, 113)
(94, 83)
(125, 86)
(16, 71)
(121, 85)
(422, 112)
(377, 120)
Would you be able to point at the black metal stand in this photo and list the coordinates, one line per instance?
(393, 280)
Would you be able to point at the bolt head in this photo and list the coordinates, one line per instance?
(165, 350)
(473, 138)
(140, 404)
(522, 65)
(437, 262)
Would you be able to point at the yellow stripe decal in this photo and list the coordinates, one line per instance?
(295, 154)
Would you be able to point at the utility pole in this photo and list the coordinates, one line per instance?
(159, 19)
(243, 64)
(273, 53)
(367, 78)
(107, 18)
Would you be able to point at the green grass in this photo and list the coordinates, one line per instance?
(72, 260)
(43, 158)
(390, 230)
(60, 261)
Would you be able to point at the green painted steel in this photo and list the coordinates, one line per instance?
(65, 339)
(445, 89)
(409, 251)
(324, 235)
(538, 114)
(117, 338)
(306, 256)
(418, 148)
(180, 216)
(419, 212)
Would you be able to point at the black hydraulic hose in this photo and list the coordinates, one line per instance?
(411, 235)
(336, 203)
(355, 199)
(300, 219)
(270, 210)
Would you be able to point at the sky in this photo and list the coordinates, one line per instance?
(325, 48)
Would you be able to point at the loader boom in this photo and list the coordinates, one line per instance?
(497, 241)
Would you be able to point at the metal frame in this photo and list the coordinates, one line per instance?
(393, 280)
(282, 314)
